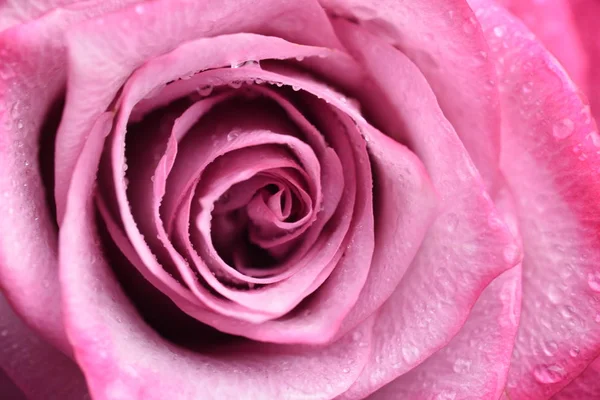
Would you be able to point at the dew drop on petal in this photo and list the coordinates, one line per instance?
(563, 128)
(446, 395)
(461, 366)
(233, 135)
(249, 63)
(205, 90)
(549, 373)
(594, 138)
(500, 30)
(511, 254)
(594, 281)
(574, 352)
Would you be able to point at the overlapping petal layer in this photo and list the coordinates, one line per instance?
(551, 161)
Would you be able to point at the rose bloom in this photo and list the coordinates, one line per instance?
(285, 199)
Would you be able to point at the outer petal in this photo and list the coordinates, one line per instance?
(443, 39)
(466, 247)
(32, 78)
(587, 14)
(551, 159)
(553, 24)
(125, 359)
(14, 12)
(38, 369)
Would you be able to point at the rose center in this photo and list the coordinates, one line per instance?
(256, 222)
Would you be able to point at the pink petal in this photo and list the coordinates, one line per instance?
(551, 162)
(465, 248)
(99, 64)
(445, 42)
(553, 23)
(38, 369)
(586, 14)
(124, 358)
(585, 386)
(186, 64)
(30, 106)
(474, 365)
(13, 12)
(8, 388)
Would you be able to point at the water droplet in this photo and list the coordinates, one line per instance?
(20, 125)
(549, 348)
(567, 312)
(205, 90)
(446, 395)
(259, 81)
(356, 336)
(452, 222)
(300, 58)
(14, 110)
(563, 129)
(236, 84)
(527, 87)
(346, 370)
(494, 222)
(249, 63)
(574, 352)
(461, 366)
(549, 373)
(4, 332)
(410, 353)
(555, 294)
(594, 138)
(278, 84)
(500, 30)
(295, 88)
(594, 281)
(511, 254)
(233, 135)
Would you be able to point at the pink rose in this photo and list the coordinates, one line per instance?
(316, 199)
